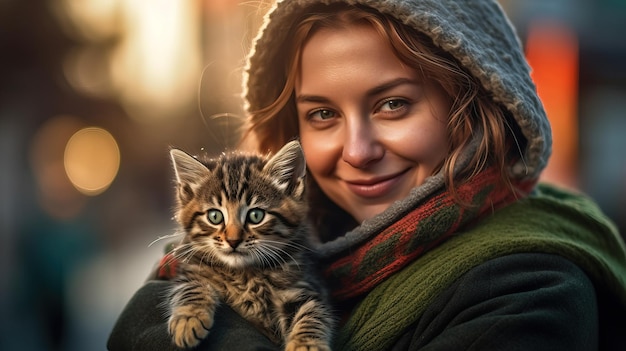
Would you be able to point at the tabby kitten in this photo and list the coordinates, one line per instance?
(246, 244)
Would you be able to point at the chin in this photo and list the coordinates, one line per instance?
(237, 260)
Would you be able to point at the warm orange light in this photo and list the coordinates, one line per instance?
(552, 52)
(154, 65)
(91, 160)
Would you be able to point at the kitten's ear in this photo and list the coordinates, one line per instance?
(189, 174)
(288, 168)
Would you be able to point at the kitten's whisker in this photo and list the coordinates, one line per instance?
(260, 257)
(187, 254)
(207, 253)
(180, 251)
(269, 257)
(291, 244)
(280, 260)
(169, 236)
(275, 252)
(182, 247)
(276, 247)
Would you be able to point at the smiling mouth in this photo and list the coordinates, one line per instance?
(376, 187)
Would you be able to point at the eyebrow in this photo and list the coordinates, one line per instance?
(311, 98)
(372, 92)
(391, 84)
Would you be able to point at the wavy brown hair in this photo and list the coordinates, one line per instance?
(473, 110)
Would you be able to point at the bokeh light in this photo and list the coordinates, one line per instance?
(56, 195)
(552, 51)
(148, 55)
(91, 160)
(86, 71)
(88, 19)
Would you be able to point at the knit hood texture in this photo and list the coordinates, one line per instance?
(476, 33)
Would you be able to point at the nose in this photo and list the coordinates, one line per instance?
(361, 146)
(234, 242)
(233, 235)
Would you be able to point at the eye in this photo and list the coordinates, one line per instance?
(393, 105)
(322, 114)
(255, 215)
(215, 216)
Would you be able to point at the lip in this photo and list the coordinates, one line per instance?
(375, 187)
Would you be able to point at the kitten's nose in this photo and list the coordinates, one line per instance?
(234, 242)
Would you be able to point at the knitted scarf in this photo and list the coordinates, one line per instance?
(360, 269)
(549, 221)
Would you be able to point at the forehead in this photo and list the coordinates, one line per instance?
(238, 178)
(347, 56)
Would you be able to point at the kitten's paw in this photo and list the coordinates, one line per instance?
(188, 326)
(307, 345)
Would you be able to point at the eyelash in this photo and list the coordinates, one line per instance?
(404, 104)
(313, 113)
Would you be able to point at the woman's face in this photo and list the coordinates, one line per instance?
(370, 128)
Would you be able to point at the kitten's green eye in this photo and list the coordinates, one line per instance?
(215, 216)
(256, 215)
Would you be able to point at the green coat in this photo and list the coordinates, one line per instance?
(549, 221)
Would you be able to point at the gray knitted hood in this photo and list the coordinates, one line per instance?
(475, 32)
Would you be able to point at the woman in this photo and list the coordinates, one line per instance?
(424, 140)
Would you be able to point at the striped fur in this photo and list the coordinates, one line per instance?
(247, 245)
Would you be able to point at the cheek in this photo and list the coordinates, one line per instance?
(321, 154)
(423, 143)
(429, 133)
(428, 146)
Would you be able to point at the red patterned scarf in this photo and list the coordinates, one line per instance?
(360, 269)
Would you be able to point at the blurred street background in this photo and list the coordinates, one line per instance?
(93, 93)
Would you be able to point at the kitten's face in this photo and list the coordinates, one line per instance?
(241, 210)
